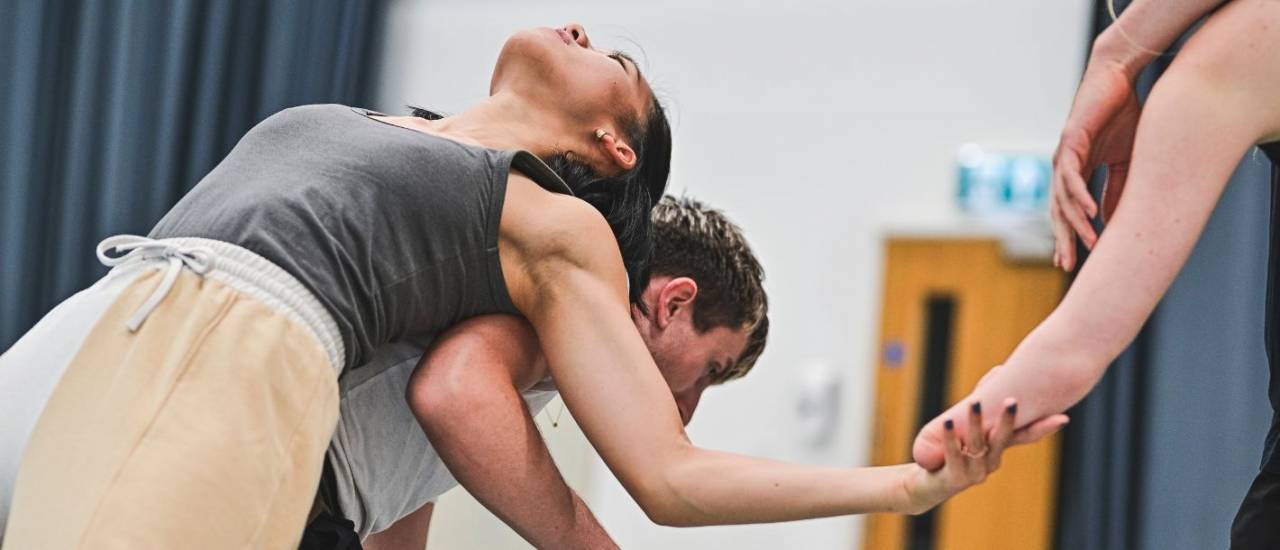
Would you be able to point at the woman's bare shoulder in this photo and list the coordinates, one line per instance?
(540, 222)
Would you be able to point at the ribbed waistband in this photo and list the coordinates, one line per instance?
(257, 277)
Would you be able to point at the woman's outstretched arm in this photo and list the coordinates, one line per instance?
(1213, 104)
(567, 278)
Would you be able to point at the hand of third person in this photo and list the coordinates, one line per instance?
(1099, 132)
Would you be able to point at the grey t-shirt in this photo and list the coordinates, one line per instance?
(384, 468)
(394, 230)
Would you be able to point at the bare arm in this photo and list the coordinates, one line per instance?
(409, 533)
(1213, 104)
(570, 284)
(1100, 128)
(466, 395)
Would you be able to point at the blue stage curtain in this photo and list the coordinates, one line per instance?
(110, 110)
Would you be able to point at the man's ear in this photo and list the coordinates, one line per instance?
(618, 152)
(675, 299)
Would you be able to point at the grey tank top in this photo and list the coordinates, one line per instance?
(395, 231)
(383, 467)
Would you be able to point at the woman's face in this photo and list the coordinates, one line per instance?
(561, 70)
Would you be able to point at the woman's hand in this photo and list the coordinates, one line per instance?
(1099, 132)
(970, 461)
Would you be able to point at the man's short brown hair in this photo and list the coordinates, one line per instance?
(696, 241)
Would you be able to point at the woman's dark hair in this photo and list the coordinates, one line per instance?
(625, 200)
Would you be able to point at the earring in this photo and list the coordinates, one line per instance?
(600, 133)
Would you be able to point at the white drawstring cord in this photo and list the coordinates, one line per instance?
(134, 247)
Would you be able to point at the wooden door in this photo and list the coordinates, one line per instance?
(989, 304)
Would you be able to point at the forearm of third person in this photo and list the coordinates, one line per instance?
(1134, 263)
(1198, 123)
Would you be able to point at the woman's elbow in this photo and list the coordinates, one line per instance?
(664, 502)
(664, 510)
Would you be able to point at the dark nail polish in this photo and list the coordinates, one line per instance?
(977, 407)
(949, 424)
(1012, 409)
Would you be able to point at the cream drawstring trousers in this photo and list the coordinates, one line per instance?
(185, 400)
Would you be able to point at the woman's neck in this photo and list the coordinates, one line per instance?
(503, 121)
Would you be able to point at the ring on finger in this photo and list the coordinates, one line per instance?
(972, 454)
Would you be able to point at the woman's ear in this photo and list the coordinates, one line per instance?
(616, 150)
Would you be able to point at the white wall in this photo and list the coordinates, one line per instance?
(814, 124)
